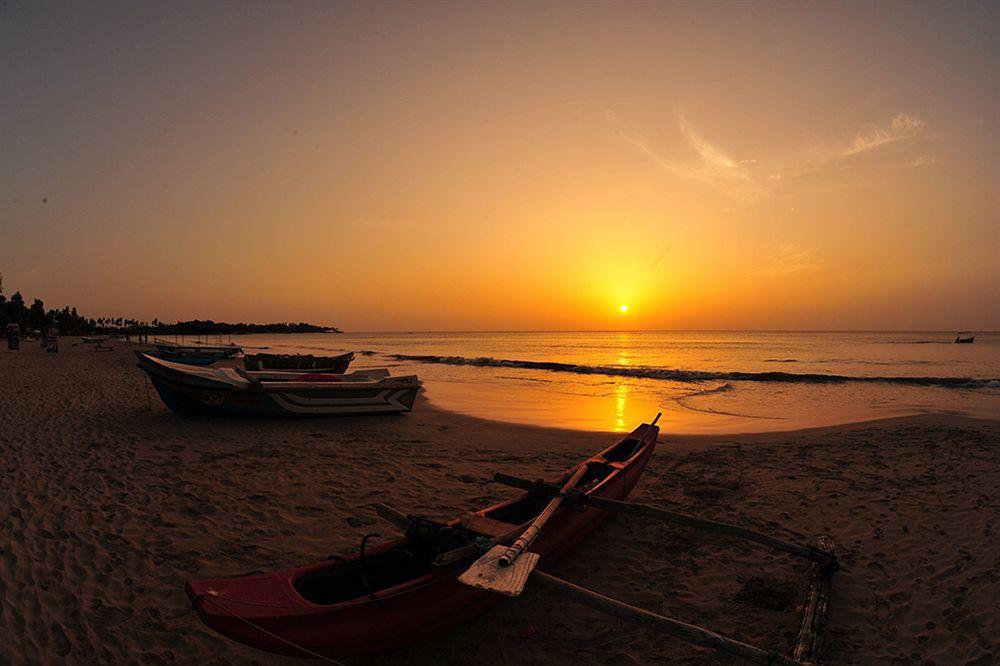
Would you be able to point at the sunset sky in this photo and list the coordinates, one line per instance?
(505, 166)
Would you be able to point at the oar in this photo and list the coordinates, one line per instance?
(505, 569)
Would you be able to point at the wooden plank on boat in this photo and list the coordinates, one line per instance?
(479, 523)
(490, 572)
(397, 518)
(474, 550)
(816, 606)
(518, 482)
(487, 573)
(523, 542)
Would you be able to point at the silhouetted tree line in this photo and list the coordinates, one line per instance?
(209, 327)
(68, 322)
(37, 318)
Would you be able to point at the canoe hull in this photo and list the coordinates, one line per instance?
(423, 607)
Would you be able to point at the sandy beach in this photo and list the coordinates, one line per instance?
(110, 503)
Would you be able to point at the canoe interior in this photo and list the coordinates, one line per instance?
(410, 558)
(346, 581)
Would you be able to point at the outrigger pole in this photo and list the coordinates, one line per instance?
(650, 511)
(814, 609)
(689, 633)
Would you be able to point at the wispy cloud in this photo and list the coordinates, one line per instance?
(714, 161)
(901, 127)
(918, 161)
(712, 166)
(748, 179)
(790, 259)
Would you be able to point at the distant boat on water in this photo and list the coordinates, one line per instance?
(964, 338)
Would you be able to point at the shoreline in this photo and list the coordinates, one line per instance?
(111, 506)
(761, 386)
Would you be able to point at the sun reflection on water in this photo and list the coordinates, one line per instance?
(621, 397)
(624, 357)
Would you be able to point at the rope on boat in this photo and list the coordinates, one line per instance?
(300, 648)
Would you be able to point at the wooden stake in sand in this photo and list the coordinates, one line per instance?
(817, 603)
(505, 569)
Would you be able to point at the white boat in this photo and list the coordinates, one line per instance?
(187, 389)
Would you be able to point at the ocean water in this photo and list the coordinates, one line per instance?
(703, 382)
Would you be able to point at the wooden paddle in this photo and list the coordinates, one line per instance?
(505, 569)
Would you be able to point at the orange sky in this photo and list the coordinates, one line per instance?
(498, 166)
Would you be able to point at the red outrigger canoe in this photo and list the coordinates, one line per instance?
(393, 594)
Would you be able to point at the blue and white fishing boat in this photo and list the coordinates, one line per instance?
(192, 390)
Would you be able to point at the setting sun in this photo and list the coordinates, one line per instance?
(414, 219)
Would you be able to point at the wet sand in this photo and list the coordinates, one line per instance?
(110, 502)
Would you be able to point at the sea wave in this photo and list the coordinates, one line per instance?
(682, 400)
(723, 388)
(679, 375)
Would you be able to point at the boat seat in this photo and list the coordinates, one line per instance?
(483, 525)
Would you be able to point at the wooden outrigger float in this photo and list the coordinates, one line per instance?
(320, 611)
(506, 570)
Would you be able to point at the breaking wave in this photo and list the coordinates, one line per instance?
(724, 388)
(678, 375)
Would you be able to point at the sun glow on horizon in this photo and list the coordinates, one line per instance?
(747, 190)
